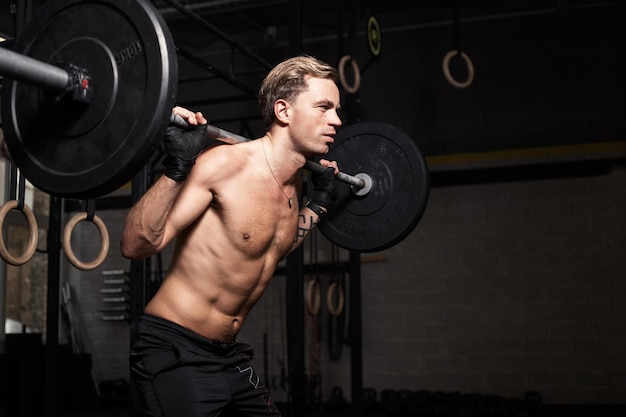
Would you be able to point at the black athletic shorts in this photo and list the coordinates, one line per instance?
(176, 372)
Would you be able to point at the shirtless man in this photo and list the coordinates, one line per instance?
(235, 216)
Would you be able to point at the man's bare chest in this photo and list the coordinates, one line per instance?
(260, 222)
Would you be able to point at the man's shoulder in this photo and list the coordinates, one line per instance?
(227, 158)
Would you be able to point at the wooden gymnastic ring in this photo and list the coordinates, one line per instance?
(67, 242)
(32, 239)
(342, 74)
(313, 297)
(332, 309)
(446, 69)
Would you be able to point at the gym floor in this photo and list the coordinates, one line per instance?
(617, 410)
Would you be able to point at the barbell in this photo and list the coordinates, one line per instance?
(88, 92)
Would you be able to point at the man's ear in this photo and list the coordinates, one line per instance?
(282, 110)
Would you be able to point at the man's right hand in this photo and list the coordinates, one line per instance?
(182, 148)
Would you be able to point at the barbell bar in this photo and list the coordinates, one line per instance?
(23, 68)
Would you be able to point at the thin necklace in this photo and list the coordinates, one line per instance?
(289, 199)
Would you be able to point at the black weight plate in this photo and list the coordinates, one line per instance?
(83, 151)
(399, 195)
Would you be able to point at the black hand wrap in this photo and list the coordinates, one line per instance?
(182, 148)
(324, 191)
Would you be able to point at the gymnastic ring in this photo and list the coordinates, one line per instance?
(342, 74)
(32, 239)
(313, 297)
(332, 309)
(67, 242)
(446, 69)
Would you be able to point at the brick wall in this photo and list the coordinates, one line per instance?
(504, 288)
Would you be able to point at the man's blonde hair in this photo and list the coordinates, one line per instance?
(288, 79)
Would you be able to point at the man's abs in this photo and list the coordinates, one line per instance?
(209, 304)
(212, 317)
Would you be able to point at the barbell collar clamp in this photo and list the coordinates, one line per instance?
(79, 88)
(367, 184)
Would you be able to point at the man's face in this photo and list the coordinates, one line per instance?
(315, 116)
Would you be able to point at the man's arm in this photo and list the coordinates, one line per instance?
(144, 232)
(146, 228)
(324, 199)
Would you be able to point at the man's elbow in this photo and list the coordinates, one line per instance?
(131, 251)
(128, 252)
